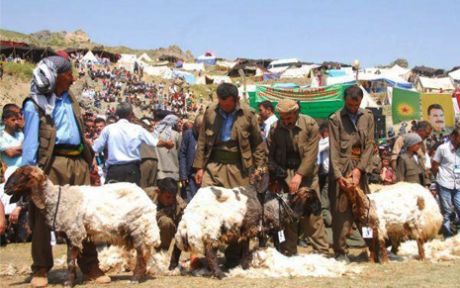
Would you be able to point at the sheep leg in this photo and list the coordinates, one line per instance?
(421, 249)
(383, 251)
(175, 256)
(72, 254)
(211, 255)
(142, 256)
(371, 246)
(245, 255)
(395, 246)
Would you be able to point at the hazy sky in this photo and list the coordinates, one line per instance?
(376, 32)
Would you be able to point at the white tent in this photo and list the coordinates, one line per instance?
(298, 72)
(127, 61)
(425, 84)
(226, 64)
(218, 79)
(160, 71)
(368, 77)
(89, 57)
(455, 75)
(145, 58)
(193, 67)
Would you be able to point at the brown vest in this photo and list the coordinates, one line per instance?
(47, 136)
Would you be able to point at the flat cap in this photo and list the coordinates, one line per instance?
(286, 106)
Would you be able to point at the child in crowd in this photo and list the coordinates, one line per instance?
(387, 176)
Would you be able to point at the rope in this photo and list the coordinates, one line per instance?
(57, 207)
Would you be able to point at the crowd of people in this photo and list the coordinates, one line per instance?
(227, 145)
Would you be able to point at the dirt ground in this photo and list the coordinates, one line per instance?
(396, 274)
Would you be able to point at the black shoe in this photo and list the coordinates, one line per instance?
(342, 258)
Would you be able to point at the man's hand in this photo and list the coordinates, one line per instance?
(13, 151)
(14, 216)
(343, 183)
(356, 174)
(199, 176)
(167, 144)
(295, 183)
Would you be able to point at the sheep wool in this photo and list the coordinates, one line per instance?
(270, 263)
(210, 210)
(406, 203)
(436, 250)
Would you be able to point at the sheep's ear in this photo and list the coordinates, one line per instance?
(37, 194)
(37, 197)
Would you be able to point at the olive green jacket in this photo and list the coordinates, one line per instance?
(245, 131)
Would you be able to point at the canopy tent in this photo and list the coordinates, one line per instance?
(316, 102)
(188, 77)
(89, 58)
(24, 51)
(425, 84)
(193, 66)
(208, 58)
(298, 72)
(393, 81)
(455, 75)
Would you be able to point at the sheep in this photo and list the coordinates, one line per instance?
(217, 217)
(365, 216)
(407, 211)
(396, 213)
(119, 214)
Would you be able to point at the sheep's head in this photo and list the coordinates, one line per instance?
(305, 202)
(27, 180)
(282, 209)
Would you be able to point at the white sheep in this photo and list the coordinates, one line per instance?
(217, 217)
(406, 211)
(120, 214)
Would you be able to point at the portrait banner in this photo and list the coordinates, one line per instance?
(438, 110)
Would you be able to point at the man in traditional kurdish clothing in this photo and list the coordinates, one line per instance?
(351, 137)
(293, 145)
(54, 140)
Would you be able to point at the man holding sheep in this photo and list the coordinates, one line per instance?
(230, 149)
(351, 136)
(293, 148)
(54, 141)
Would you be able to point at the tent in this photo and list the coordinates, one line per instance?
(226, 64)
(395, 71)
(455, 75)
(89, 58)
(298, 72)
(127, 61)
(145, 58)
(159, 71)
(187, 76)
(425, 84)
(208, 58)
(193, 66)
(393, 81)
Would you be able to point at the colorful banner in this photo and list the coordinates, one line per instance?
(318, 103)
(405, 105)
(438, 110)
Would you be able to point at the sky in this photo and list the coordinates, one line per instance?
(425, 32)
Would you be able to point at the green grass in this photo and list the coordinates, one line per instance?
(23, 71)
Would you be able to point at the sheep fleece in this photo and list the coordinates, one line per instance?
(110, 213)
(210, 209)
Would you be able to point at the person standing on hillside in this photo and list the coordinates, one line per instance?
(54, 141)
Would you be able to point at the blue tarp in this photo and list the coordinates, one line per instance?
(336, 73)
